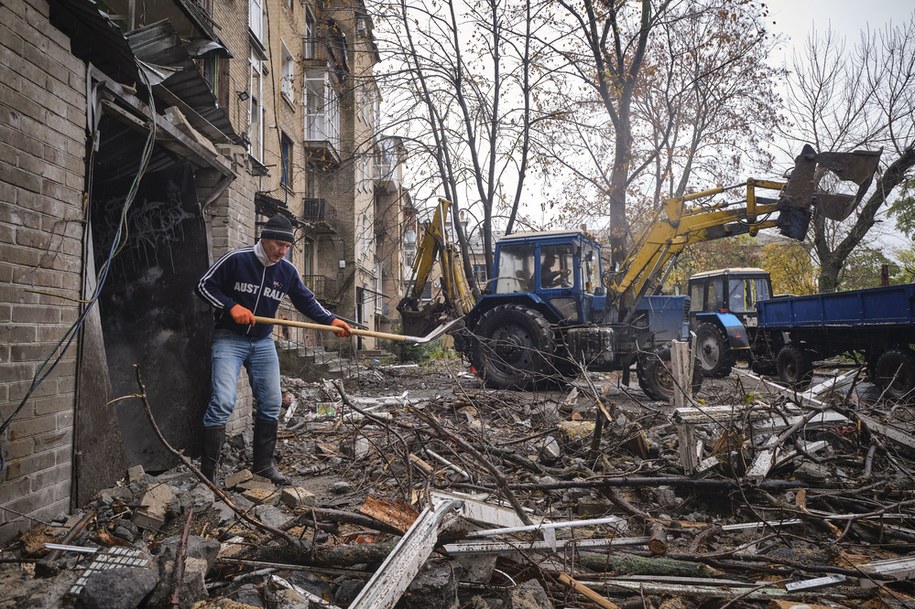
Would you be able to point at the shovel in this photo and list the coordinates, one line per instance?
(401, 338)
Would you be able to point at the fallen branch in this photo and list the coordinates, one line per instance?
(632, 564)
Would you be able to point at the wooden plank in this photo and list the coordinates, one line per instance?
(395, 514)
(584, 590)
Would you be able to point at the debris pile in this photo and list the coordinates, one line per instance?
(416, 487)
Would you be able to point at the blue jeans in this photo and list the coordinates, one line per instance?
(230, 352)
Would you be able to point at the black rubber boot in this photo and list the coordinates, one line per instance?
(264, 447)
(211, 449)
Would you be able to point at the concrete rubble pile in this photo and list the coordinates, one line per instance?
(414, 487)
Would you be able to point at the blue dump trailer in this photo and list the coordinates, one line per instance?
(875, 326)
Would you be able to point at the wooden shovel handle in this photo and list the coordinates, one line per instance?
(322, 328)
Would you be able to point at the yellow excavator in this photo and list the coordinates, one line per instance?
(457, 299)
(549, 311)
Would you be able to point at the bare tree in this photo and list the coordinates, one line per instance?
(462, 80)
(863, 98)
(615, 41)
(687, 91)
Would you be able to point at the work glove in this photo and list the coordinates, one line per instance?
(344, 330)
(241, 315)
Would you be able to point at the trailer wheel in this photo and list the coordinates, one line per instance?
(794, 366)
(895, 373)
(713, 353)
(513, 347)
(655, 378)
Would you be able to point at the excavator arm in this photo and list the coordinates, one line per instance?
(458, 299)
(678, 225)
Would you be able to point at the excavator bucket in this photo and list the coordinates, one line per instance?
(800, 194)
(419, 321)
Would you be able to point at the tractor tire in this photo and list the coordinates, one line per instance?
(713, 353)
(794, 366)
(513, 347)
(655, 378)
(895, 373)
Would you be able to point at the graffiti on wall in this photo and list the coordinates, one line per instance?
(153, 226)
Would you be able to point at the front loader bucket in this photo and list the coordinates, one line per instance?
(858, 167)
(800, 193)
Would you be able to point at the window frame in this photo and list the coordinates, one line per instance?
(287, 150)
(256, 109)
(256, 19)
(287, 76)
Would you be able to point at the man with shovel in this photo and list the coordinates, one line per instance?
(243, 283)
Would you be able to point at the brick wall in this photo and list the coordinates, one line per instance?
(42, 113)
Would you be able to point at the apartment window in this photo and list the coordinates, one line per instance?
(379, 301)
(376, 112)
(285, 161)
(479, 274)
(310, 33)
(322, 111)
(288, 74)
(256, 110)
(256, 19)
(364, 238)
(361, 164)
(362, 25)
(308, 253)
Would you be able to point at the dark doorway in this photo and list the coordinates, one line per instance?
(149, 313)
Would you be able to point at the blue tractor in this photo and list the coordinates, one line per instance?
(545, 316)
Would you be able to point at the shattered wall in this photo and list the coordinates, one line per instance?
(42, 144)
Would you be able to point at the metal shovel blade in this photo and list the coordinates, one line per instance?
(436, 333)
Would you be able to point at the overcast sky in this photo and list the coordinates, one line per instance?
(797, 18)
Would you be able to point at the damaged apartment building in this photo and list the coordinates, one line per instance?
(141, 141)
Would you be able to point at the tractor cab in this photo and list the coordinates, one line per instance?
(557, 271)
(734, 291)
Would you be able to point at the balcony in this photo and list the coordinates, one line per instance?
(321, 215)
(387, 178)
(323, 287)
(322, 119)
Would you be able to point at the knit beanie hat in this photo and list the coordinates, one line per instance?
(279, 228)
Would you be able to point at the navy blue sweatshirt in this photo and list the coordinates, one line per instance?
(239, 277)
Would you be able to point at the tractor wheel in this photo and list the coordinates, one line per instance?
(794, 366)
(513, 347)
(895, 373)
(656, 379)
(713, 353)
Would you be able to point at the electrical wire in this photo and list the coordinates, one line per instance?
(119, 241)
